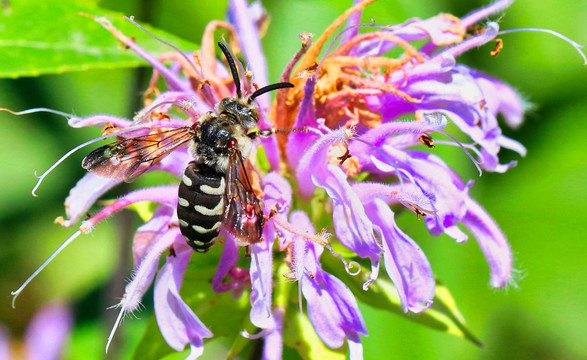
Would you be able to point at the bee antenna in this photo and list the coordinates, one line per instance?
(268, 88)
(233, 70)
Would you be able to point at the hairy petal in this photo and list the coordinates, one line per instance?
(483, 13)
(492, 242)
(150, 232)
(145, 272)
(164, 195)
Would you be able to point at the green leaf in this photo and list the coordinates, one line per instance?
(443, 315)
(144, 209)
(152, 345)
(225, 316)
(42, 37)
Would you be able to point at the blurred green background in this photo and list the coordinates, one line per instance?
(540, 204)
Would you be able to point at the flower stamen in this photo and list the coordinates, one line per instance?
(17, 292)
(348, 265)
(320, 239)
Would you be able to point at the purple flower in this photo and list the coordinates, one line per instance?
(348, 147)
(45, 336)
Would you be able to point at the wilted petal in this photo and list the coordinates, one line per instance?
(48, 331)
(177, 322)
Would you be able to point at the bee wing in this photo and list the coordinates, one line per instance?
(128, 158)
(243, 214)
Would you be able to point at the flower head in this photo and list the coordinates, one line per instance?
(342, 138)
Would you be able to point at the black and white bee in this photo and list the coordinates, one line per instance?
(215, 189)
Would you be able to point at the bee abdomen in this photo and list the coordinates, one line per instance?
(200, 205)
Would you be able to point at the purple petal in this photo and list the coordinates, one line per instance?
(482, 13)
(405, 262)
(149, 233)
(261, 284)
(99, 120)
(332, 309)
(491, 30)
(501, 99)
(84, 194)
(177, 322)
(47, 333)
(172, 80)
(297, 142)
(273, 344)
(492, 242)
(313, 163)
(240, 17)
(175, 163)
(4, 344)
(277, 193)
(352, 226)
(377, 136)
(226, 263)
(436, 181)
(351, 30)
(145, 271)
(164, 195)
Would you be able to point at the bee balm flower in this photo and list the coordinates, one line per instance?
(340, 139)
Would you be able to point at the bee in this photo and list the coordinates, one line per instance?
(215, 189)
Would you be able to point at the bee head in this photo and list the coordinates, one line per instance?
(246, 113)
